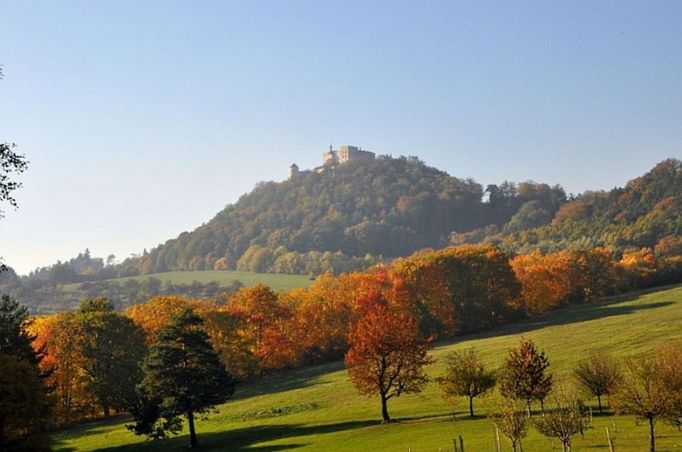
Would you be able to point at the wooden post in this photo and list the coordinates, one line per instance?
(590, 415)
(615, 430)
(608, 438)
(497, 440)
(461, 443)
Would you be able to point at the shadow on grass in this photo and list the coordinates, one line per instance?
(286, 381)
(565, 316)
(243, 439)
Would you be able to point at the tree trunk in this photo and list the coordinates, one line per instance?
(106, 411)
(528, 409)
(471, 406)
(384, 410)
(599, 402)
(192, 432)
(652, 440)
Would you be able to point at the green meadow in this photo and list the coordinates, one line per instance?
(317, 408)
(277, 281)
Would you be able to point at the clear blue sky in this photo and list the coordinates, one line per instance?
(143, 119)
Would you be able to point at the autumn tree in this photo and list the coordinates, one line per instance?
(600, 375)
(183, 376)
(225, 332)
(266, 325)
(525, 374)
(466, 376)
(62, 337)
(563, 420)
(113, 350)
(670, 358)
(156, 313)
(462, 289)
(644, 393)
(387, 354)
(511, 420)
(321, 317)
(25, 409)
(545, 280)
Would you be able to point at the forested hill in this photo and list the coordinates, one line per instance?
(345, 218)
(647, 212)
(353, 215)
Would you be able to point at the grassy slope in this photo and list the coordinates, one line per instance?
(323, 411)
(278, 282)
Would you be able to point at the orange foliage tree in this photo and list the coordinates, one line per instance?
(266, 326)
(156, 313)
(61, 338)
(545, 280)
(461, 289)
(387, 353)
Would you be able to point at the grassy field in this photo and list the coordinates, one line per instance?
(278, 282)
(317, 408)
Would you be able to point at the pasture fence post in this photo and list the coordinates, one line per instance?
(609, 439)
(497, 440)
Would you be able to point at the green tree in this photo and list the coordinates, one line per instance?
(182, 377)
(525, 374)
(466, 375)
(600, 375)
(10, 162)
(113, 348)
(25, 409)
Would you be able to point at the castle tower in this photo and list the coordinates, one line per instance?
(293, 171)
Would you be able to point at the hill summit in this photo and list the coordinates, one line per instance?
(357, 209)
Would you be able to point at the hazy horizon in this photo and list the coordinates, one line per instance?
(141, 121)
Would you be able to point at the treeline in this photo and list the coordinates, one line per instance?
(358, 215)
(257, 331)
(42, 296)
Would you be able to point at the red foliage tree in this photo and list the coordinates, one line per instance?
(387, 354)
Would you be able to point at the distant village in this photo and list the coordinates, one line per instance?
(340, 156)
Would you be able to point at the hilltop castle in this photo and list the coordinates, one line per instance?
(332, 158)
(345, 154)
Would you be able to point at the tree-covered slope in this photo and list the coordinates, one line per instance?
(334, 219)
(647, 212)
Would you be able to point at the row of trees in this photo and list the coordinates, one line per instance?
(386, 362)
(44, 296)
(256, 331)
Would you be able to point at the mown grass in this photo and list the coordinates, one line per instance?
(278, 282)
(317, 408)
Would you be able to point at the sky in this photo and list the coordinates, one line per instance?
(144, 119)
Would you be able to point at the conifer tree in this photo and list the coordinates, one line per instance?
(182, 377)
(25, 409)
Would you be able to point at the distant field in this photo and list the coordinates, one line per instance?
(277, 282)
(317, 408)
